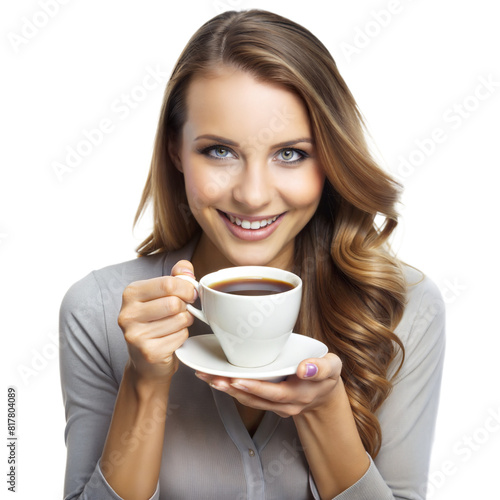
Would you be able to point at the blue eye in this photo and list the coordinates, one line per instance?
(218, 152)
(221, 152)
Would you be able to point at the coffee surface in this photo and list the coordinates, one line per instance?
(252, 286)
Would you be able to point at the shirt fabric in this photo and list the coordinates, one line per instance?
(208, 453)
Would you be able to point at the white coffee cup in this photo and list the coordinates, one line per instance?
(252, 329)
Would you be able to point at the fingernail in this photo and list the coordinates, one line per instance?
(311, 370)
(219, 385)
(239, 386)
(186, 271)
(202, 376)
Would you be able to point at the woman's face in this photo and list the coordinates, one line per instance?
(250, 168)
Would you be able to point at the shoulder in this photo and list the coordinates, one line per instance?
(422, 326)
(111, 280)
(90, 308)
(421, 291)
(88, 315)
(114, 278)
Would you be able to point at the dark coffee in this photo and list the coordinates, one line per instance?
(252, 286)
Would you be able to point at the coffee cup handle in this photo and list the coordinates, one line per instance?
(198, 313)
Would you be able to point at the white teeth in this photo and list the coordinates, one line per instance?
(246, 224)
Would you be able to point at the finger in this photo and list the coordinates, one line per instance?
(173, 324)
(161, 349)
(154, 288)
(281, 405)
(160, 328)
(172, 342)
(183, 267)
(330, 366)
(281, 392)
(242, 393)
(160, 308)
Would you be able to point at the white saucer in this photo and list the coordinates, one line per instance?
(204, 353)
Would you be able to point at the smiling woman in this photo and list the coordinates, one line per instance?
(253, 184)
(259, 159)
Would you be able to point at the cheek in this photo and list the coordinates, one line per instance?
(305, 189)
(204, 186)
(194, 183)
(195, 193)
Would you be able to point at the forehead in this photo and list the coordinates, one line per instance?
(234, 104)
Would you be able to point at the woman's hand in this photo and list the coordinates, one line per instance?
(154, 321)
(313, 386)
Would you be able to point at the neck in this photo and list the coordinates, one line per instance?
(207, 258)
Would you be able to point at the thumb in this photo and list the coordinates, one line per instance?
(330, 366)
(183, 267)
(184, 270)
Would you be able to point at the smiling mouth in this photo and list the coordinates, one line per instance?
(251, 224)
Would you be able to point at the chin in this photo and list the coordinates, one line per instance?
(253, 259)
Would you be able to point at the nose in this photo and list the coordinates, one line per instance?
(254, 187)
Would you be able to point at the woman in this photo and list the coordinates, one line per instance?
(259, 159)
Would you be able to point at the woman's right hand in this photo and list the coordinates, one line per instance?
(155, 322)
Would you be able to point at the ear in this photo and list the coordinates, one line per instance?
(173, 153)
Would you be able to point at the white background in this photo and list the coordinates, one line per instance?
(411, 70)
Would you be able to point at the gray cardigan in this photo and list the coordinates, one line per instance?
(208, 453)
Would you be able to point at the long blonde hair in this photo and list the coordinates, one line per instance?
(354, 289)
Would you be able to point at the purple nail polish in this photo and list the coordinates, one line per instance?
(311, 370)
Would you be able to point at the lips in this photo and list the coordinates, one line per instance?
(251, 228)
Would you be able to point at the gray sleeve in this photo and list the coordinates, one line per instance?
(89, 391)
(408, 416)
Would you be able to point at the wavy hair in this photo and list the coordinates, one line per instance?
(354, 288)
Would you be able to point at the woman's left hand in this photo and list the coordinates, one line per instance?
(312, 386)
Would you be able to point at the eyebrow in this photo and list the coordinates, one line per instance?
(235, 144)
